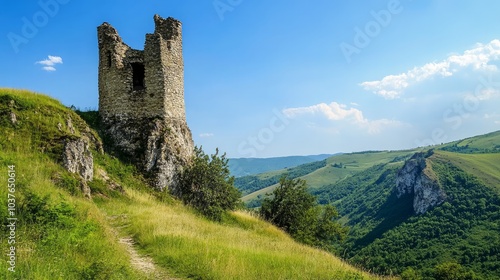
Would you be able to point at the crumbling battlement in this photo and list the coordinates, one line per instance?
(138, 84)
(141, 100)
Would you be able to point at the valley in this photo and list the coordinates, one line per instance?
(386, 234)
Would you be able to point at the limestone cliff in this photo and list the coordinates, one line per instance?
(416, 178)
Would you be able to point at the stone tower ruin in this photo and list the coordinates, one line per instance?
(141, 101)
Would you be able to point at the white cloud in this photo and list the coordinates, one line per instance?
(487, 94)
(393, 86)
(206, 135)
(340, 112)
(50, 63)
(49, 68)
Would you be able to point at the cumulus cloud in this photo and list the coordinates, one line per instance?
(50, 62)
(393, 86)
(206, 135)
(340, 112)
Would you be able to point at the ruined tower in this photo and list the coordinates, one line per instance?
(141, 101)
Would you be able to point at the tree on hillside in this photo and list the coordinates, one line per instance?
(207, 185)
(292, 208)
(453, 271)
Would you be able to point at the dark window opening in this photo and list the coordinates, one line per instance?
(108, 57)
(137, 76)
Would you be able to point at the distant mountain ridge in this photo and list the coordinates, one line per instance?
(251, 166)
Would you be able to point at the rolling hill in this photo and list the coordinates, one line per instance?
(251, 166)
(317, 174)
(458, 183)
(115, 226)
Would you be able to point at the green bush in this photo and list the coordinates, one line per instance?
(410, 274)
(295, 210)
(207, 185)
(453, 271)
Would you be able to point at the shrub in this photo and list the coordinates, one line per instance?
(207, 185)
(453, 271)
(295, 210)
(410, 274)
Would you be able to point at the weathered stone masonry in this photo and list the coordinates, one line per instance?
(141, 100)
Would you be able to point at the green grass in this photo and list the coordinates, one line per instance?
(63, 235)
(59, 236)
(486, 167)
(242, 247)
(353, 163)
(487, 143)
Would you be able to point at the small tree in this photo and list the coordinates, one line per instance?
(328, 230)
(207, 185)
(294, 209)
(410, 274)
(453, 271)
(289, 206)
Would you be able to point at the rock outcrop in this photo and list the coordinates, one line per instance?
(159, 148)
(416, 178)
(77, 158)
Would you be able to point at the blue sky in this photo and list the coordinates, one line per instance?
(275, 78)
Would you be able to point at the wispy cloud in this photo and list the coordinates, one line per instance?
(49, 68)
(487, 94)
(340, 112)
(206, 135)
(50, 62)
(393, 86)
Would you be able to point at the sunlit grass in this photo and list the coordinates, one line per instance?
(486, 167)
(242, 247)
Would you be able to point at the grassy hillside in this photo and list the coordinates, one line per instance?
(333, 170)
(126, 231)
(251, 166)
(249, 184)
(487, 143)
(486, 167)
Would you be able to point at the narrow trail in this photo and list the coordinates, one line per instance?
(141, 263)
(138, 261)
